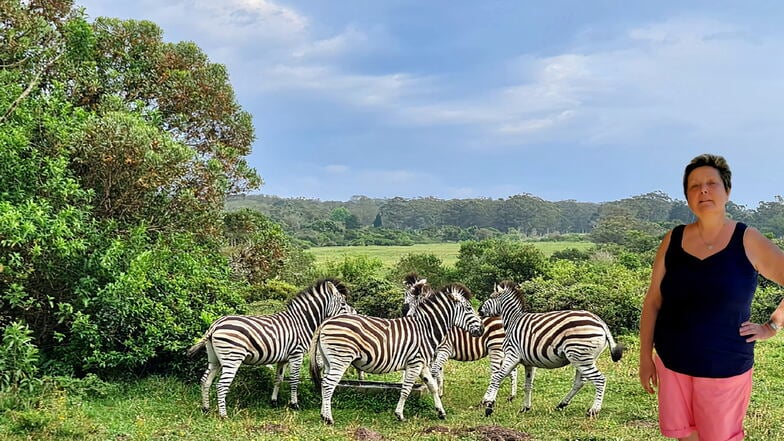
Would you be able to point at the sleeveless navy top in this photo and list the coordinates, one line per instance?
(703, 305)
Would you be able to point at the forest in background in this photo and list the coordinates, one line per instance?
(400, 221)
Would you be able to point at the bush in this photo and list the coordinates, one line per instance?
(270, 290)
(18, 359)
(482, 264)
(378, 297)
(427, 266)
(158, 296)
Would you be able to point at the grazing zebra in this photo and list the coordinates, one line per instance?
(378, 346)
(459, 345)
(280, 338)
(548, 340)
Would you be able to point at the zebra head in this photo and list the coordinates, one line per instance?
(492, 306)
(416, 290)
(335, 293)
(465, 316)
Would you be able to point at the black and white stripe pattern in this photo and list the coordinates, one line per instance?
(459, 345)
(280, 338)
(548, 340)
(377, 345)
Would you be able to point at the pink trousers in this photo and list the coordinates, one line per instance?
(714, 407)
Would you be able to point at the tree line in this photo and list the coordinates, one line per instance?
(362, 220)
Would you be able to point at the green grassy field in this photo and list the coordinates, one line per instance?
(159, 408)
(447, 252)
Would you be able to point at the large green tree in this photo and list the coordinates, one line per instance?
(117, 151)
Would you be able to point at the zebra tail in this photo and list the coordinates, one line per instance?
(197, 347)
(315, 370)
(616, 349)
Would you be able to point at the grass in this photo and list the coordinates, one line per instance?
(160, 408)
(447, 252)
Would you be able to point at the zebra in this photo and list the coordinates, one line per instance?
(281, 338)
(320, 361)
(459, 345)
(548, 340)
(376, 345)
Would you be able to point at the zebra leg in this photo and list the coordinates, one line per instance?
(295, 366)
(437, 370)
(495, 382)
(592, 374)
(496, 356)
(228, 372)
(433, 386)
(530, 373)
(333, 373)
(206, 382)
(280, 370)
(410, 375)
(576, 386)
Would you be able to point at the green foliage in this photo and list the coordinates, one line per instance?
(270, 290)
(377, 297)
(428, 266)
(370, 292)
(18, 359)
(260, 250)
(149, 308)
(608, 289)
(483, 264)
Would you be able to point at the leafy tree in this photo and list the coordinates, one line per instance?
(377, 221)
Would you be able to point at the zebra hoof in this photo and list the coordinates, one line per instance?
(442, 415)
(328, 421)
(489, 410)
(294, 406)
(205, 410)
(400, 417)
(524, 409)
(592, 413)
(560, 406)
(274, 403)
(511, 398)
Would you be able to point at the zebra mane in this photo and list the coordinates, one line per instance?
(458, 288)
(317, 288)
(411, 279)
(512, 288)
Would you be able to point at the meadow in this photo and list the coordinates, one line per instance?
(159, 408)
(447, 252)
(169, 408)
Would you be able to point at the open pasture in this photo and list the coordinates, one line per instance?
(167, 409)
(447, 252)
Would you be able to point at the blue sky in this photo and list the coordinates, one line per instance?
(587, 100)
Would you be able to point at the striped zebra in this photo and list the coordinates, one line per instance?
(280, 338)
(377, 345)
(548, 340)
(459, 345)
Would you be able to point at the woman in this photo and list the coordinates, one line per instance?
(696, 312)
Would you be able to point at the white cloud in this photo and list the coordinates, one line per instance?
(336, 169)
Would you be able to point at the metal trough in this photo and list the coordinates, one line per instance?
(380, 387)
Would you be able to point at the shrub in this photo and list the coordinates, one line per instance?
(18, 359)
(427, 266)
(482, 264)
(157, 296)
(378, 297)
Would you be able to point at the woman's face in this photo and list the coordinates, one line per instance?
(705, 191)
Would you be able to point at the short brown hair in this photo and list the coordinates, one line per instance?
(715, 161)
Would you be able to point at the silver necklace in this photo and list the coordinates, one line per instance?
(709, 246)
